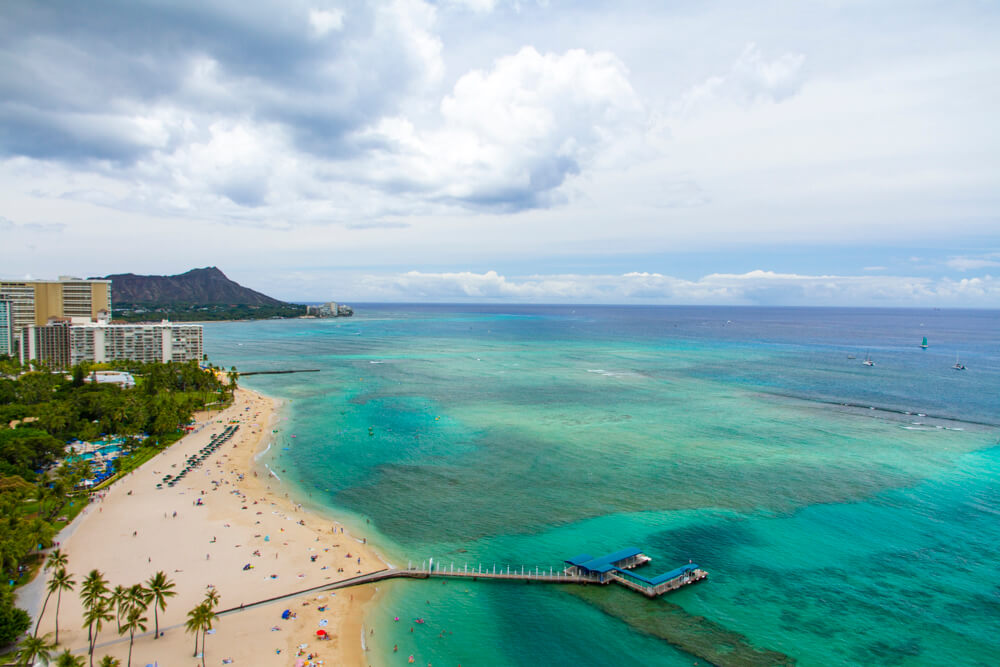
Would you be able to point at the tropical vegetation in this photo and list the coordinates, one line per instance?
(40, 485)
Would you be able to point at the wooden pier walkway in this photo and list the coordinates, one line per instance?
(430, 569)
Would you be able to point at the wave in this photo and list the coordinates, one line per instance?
(260, 454)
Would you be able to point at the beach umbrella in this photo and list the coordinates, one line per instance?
(321, 633)
(285, 614)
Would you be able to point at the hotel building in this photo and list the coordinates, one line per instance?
(64, 343)
(6, 327)
(35, 302)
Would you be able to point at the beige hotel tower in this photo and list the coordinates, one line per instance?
(33, 302)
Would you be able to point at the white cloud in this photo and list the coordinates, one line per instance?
(962, 263)
(324, 21)
(512, 135)
(751, 288)
(751, 79)
(479, 6)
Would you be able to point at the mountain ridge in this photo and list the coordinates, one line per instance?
(207, 286)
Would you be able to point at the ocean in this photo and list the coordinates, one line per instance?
(846, 514)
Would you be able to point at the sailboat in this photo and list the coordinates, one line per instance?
(959, 366)
(924, 344)
(868, 360)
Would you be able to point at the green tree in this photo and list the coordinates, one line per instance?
(96, 607)
(13, 621)
(119, 601)
(161, 588)
(67, 659)
(135, 621)
(62, 581)
(24, 449)
(56, 559)
(37, 387)
(108, 661)
(212, 598)
(95, 617)
(33, 648)
(197, 619)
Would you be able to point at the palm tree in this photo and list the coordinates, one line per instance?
(61, 581)
(137, 597)
(161, 588)
(119, 602)
(135, 621)
(108, 661)
(208, 617)
(67, 659)
(195, 619)
(95, 616)
(33, 648)
(212, 598)
(57, 560)
(92, 590)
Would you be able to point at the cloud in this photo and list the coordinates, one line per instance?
(324, 21)
(512, 135)
(320, 73)
(8, 226)
(326, 98)
(478, 6)
(963, 263)
(751, 288)
(751, 79)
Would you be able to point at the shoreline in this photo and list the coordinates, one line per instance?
(245, 519)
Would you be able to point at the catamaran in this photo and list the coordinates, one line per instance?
(868, 360)
(959, 366)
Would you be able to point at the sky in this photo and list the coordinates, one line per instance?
(819, 153)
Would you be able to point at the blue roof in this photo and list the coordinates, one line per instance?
(666, 576)
(603, 563)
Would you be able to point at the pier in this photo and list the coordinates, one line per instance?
(300, 370)
(613, 568)
(582, 570)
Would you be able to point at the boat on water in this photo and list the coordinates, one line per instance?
(923, 345)
(959, 366)
(868, 360)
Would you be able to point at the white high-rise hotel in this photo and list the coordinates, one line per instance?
(97, 342)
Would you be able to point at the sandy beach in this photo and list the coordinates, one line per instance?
(132, 530)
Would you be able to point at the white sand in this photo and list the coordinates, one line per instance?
(131, 533)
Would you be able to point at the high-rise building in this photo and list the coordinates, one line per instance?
(50, 343)
(6, 327)
(63, 343)
(34, 302)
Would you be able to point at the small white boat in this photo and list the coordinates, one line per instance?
(959, 366)
(868, 360)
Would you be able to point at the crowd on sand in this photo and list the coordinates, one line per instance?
(229, 525)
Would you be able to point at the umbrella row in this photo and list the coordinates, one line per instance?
(196, 459)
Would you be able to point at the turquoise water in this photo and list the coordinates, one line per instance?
(837, 528)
